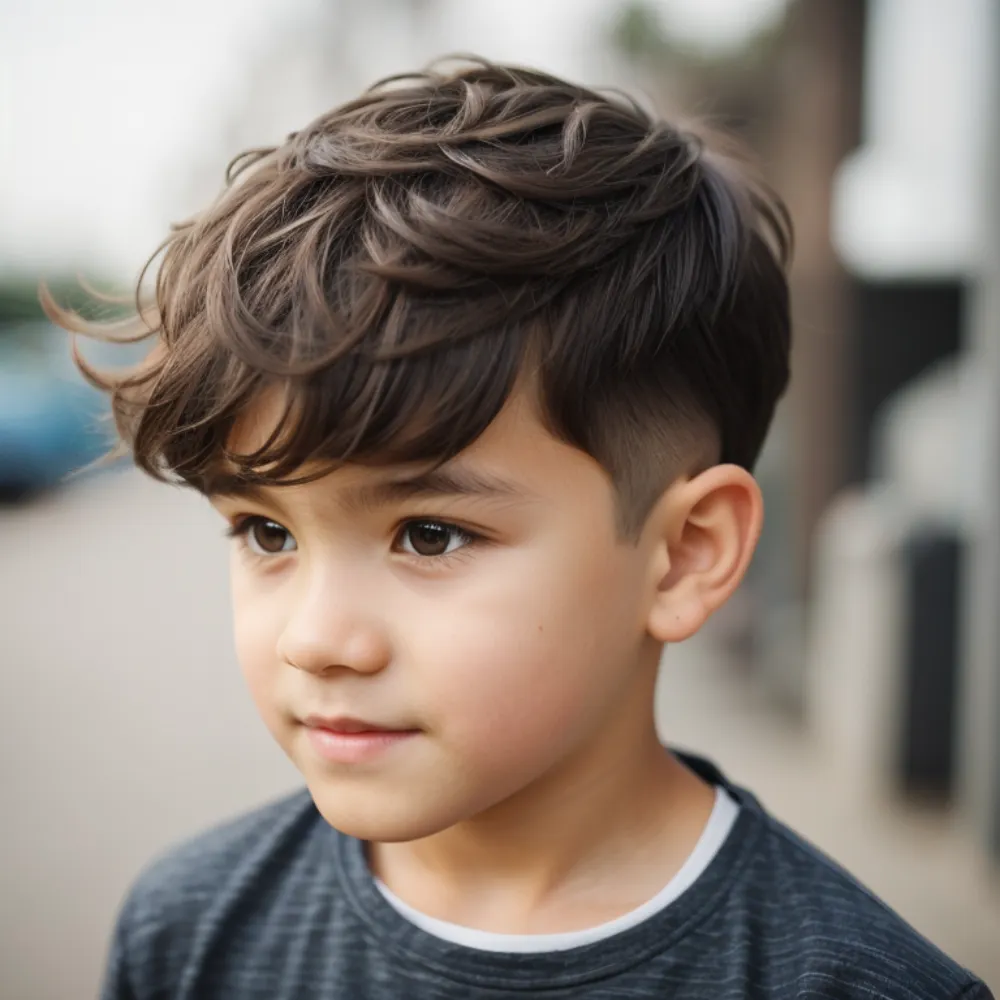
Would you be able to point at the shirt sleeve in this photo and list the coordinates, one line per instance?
(117, 983)
(976, 991)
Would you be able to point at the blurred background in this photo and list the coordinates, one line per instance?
(854, 683)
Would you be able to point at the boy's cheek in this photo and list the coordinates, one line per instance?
(255, 641)
(515, 681)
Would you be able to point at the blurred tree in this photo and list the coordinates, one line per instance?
(19, 299)
(735, 88)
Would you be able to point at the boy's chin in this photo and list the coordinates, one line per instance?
(381, 818)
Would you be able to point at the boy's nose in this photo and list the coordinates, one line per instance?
(330, 632)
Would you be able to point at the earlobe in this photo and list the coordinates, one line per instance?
(710, 527)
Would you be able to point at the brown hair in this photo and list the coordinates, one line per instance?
(395, 267)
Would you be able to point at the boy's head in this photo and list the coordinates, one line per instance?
(477, 365)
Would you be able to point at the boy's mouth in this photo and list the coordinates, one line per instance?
(347, 740)
(348, 725)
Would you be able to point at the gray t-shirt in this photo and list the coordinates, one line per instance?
(279, 906)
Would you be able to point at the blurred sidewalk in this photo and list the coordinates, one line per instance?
(124, 727)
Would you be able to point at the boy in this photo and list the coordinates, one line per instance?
(476, 367)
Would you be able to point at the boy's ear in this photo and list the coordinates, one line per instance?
(706, 529)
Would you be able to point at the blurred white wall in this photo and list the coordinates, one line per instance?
(909, 200)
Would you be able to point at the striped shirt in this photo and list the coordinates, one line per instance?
(277, 905)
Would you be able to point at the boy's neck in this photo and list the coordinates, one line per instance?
(590, 841)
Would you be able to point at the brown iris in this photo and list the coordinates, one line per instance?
(269, 536)
(429, 538)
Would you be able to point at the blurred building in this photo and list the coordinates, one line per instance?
(916, 223)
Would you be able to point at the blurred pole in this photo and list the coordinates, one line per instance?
(814, 126)
(980, 778)
(820, 126)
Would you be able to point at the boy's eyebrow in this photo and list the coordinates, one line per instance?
(444, 481)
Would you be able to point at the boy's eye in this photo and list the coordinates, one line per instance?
(266, 538)
(432, 538)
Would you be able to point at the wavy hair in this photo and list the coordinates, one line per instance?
(396, 267)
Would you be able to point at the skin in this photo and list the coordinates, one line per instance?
(535, 796)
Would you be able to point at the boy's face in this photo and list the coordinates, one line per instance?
(424, 650)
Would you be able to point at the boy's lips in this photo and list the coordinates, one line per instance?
(346, 740)
(349, 725)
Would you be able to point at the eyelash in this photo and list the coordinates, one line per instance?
(240, 529)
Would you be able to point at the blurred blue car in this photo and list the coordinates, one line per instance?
(52, 423)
